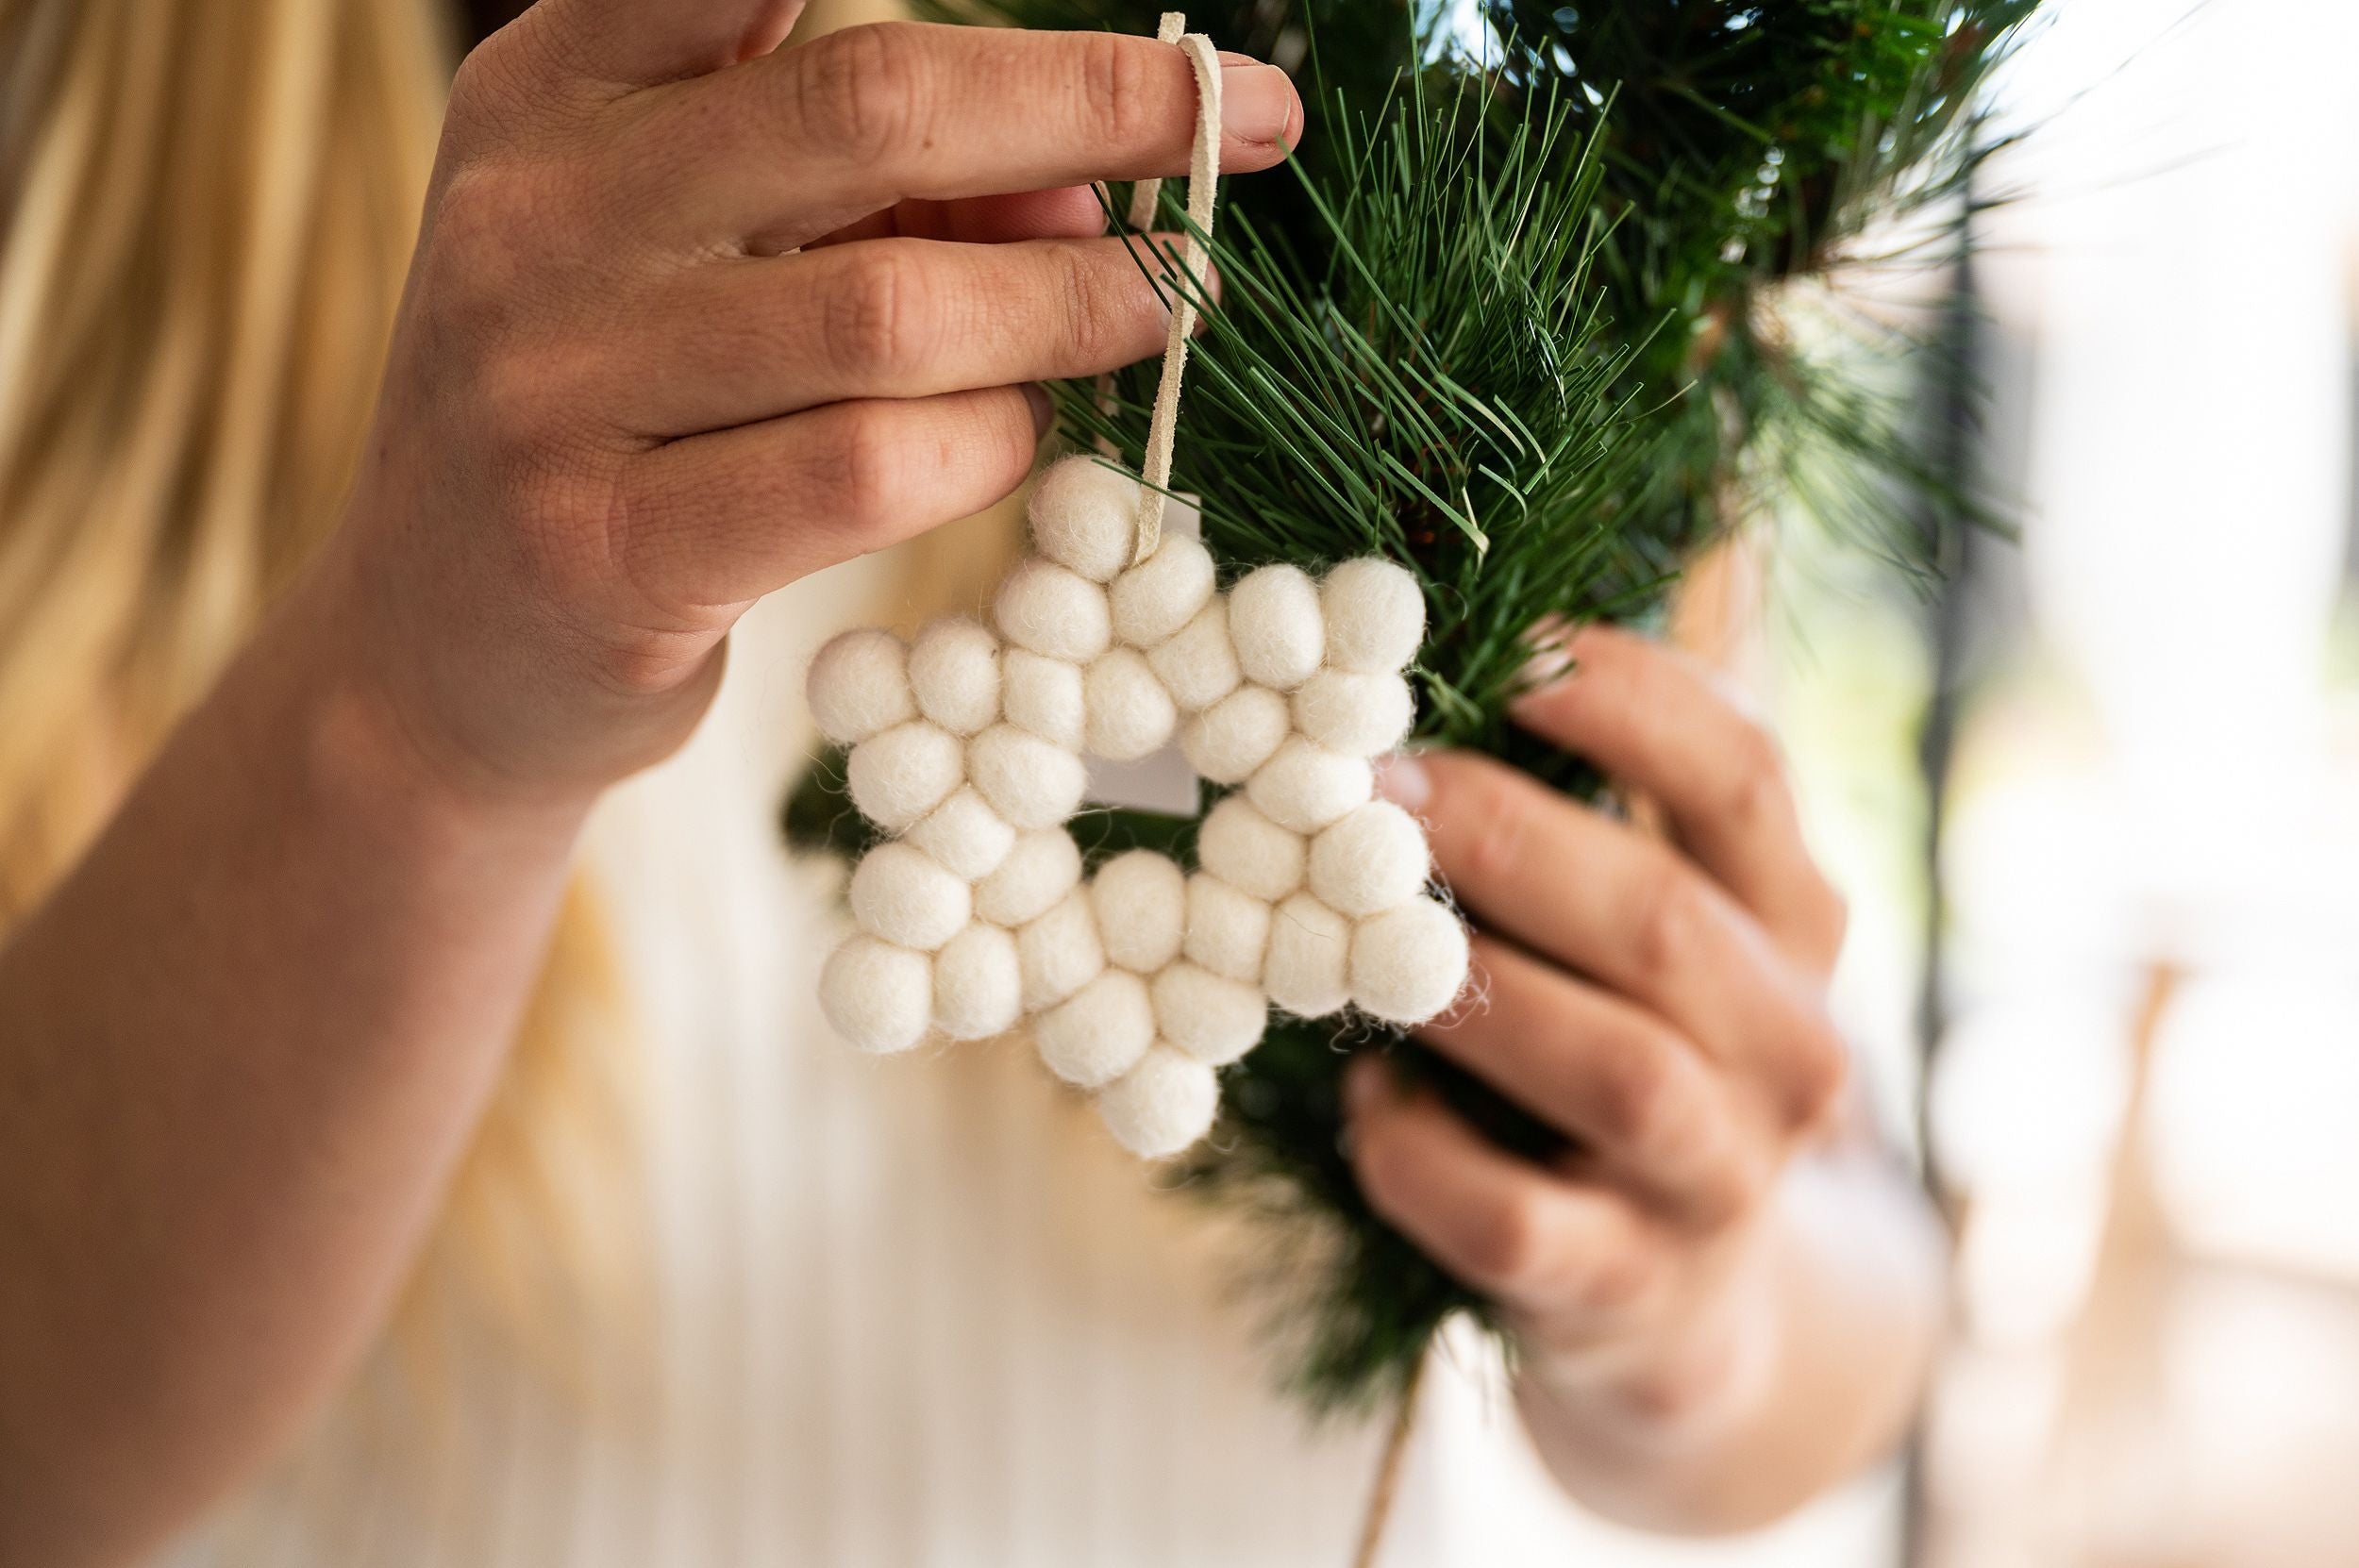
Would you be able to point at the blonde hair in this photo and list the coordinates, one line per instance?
(211, 205)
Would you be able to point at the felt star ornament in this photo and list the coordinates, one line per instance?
(966, 748)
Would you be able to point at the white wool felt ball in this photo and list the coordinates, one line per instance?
(1085, 517)
(905, 895)
(1060, 953)
(1407, 963)
(979, 984)
(1274, 619)
(1305, 785)
(1129, 714)
(954, 673)
(1043, 866)
(1374, 616)
(859, 684)
(1164, 593)
(1236, 734)
(1051, 610)
(898, 777)
(1213, 1018)
(1247, 850)
(1032, 782)
(1100, 1032)
(1370, 858)
(1197, 665)
(876, 995)
(1043, 695)
(1355, 714)
(1307, 970)
(965, 835)
(1228, 928)
(1163, 1105)
(1140, 899)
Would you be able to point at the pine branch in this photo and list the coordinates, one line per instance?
(1508, 323)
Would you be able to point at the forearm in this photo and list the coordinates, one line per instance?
(240, 1049)
(1817, 1379)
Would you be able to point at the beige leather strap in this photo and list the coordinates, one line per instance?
(1203, 183)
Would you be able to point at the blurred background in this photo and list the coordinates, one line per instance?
(2094, 797)
(2144, 1019)
(2096, 800)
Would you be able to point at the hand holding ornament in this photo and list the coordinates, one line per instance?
(1666, 1008)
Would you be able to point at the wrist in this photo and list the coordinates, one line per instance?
(316, 690)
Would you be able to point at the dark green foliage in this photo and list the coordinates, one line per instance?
(1747, 145)
(1440, 391)
(1507, 321)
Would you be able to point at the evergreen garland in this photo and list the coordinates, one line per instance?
(1508, 320)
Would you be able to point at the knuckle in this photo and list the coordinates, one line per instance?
(476, 212)
(480, 258)
(1116, 89)
(483, 89)
(1672, 907)
(1831, 923)
(1820, 1073)
(856, 92)
(1730, 1181)
(1095, 306)
(1634, 1096)
(1615, 1282)
(1507, 1251)
(532, 399)
(511, 86)
(1756, 790)
(870, 322)
(654, 552)
(868, 470)
(511, 391)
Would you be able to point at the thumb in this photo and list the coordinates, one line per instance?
(640, 43)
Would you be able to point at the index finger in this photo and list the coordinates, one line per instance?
(1654, 719)
(784, 149)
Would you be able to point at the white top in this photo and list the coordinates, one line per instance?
(909, 1311)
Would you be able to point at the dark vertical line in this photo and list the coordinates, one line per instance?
(1953, 440)
(1953, 461)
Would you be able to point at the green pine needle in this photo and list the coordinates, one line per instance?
(1510, 323)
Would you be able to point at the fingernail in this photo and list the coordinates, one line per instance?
(1363, 1086)
(1403, 780)
(1551, 664)
(1044, 413)
(1257, 102)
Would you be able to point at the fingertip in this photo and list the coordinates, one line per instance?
(1367, 1087)
(1403, 779)
(1044, 411)
(1559, 652)
(1261, 113)
(1595, 636)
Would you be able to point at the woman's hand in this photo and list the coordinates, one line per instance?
(690, 318)
(616, 411)
(1664, 1004)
